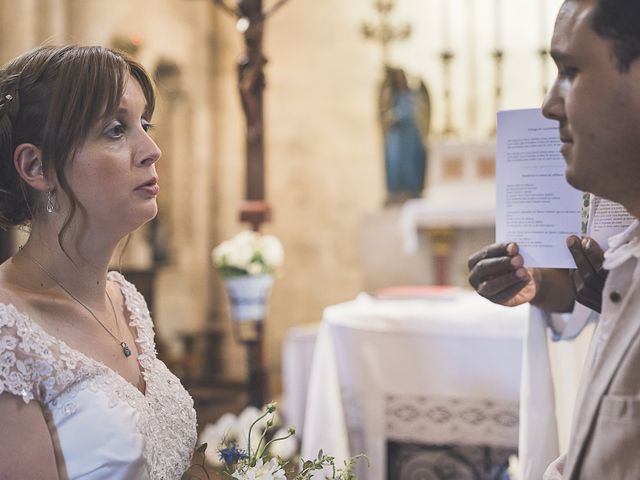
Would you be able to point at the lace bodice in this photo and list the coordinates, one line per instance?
(107, 428)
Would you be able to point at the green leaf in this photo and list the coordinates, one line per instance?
(202, 448)
(228, 271)
(320, 454)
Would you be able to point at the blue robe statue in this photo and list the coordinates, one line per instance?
(405, 153)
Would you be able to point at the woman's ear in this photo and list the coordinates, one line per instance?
(27, 159)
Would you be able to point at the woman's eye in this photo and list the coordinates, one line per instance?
(146, 126)
(116, 131)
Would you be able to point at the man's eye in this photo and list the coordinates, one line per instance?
(568, 72)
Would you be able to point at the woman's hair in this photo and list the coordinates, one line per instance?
(52, 97)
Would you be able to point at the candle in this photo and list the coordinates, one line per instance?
(473, 84)
(446, 38)
(542, 10)
(497, 40)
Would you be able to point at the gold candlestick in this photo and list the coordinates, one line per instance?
(385, 32)
(498, 56)
(447, 57)
(544, 69)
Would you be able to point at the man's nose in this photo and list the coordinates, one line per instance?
(553, 104)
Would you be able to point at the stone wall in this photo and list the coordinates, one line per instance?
(323, 144)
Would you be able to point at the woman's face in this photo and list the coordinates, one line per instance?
(113, 173)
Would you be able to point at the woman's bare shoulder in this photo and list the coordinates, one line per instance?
(33, 456)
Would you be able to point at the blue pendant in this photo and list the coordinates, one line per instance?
(125, 349)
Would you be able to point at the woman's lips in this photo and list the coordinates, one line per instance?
(151, 187)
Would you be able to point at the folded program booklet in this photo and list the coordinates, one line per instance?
(535, 206)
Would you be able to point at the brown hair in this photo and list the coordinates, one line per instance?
(52, 97)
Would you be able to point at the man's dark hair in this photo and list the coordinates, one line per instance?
(619, 21)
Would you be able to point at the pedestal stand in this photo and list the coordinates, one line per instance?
(251, 336)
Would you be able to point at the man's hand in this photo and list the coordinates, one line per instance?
(588, 279)
(497, 272)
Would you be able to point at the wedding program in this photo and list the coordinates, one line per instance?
(535, 206)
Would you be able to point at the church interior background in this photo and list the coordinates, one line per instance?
(324, 149)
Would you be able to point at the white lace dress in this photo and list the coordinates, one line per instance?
(104, 426)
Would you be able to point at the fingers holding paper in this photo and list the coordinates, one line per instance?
(589, 277)
(497, 273)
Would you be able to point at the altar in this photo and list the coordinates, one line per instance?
(441, 370)
(428, 240)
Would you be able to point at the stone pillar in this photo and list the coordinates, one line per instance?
(18, 30)
(51, 22)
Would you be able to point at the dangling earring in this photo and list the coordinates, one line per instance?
(51, 201)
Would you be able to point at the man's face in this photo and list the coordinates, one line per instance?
(598, 108)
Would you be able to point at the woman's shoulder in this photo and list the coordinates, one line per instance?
(26, 352)
(11, 307)
(132, 298)
(135, 304)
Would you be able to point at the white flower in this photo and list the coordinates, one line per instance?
(285, 448)
(240, 256)
(255, 268)
(262, 471)
(212, 437)
(271, 250)
(226, 423)
(216, 434)
(249, 252)
(514, 468)
(249, 415)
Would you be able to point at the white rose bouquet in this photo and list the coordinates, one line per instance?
(248, 253)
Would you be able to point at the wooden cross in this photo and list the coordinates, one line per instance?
(251, 18)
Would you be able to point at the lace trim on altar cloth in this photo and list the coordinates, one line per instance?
(447, 420)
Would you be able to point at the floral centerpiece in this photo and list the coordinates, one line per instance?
(259, 454)
(247, 263)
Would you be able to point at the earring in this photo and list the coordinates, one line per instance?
(51, 201)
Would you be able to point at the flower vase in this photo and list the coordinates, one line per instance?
(249, 296)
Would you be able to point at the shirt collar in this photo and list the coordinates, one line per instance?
(623, 246)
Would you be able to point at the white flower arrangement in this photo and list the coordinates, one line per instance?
(247, 450)
(248, 253)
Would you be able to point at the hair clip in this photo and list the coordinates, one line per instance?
(8, 97)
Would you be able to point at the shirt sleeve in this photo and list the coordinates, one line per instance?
(567, 326)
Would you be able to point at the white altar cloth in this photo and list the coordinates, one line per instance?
(458, 353)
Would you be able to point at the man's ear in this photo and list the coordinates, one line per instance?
(27, 159)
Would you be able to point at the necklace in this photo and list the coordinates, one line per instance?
(123, 345)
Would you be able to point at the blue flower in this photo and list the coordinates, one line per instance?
(230, 455)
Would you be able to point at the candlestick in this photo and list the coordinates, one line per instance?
(497, 13)
(473, 68)
(446, 38)
(447, 57)
(542, 12)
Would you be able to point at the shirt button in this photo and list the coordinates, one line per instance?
(615, 297)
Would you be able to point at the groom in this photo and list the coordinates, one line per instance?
(596, 100)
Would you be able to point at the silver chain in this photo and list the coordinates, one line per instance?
(123, 345)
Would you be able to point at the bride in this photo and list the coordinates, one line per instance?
(82, 394)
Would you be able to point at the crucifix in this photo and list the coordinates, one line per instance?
(250, 22)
